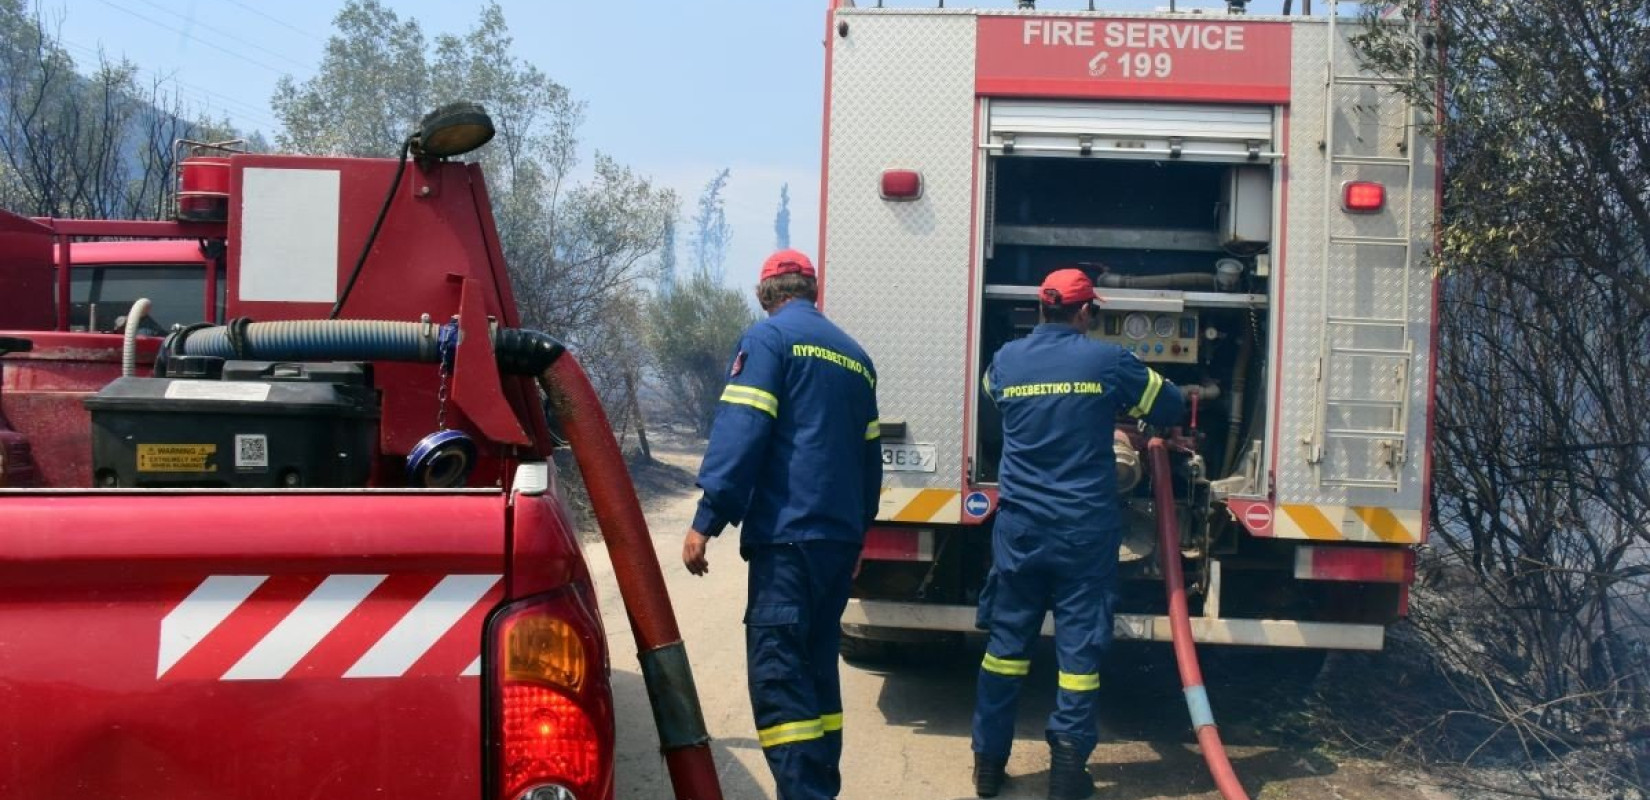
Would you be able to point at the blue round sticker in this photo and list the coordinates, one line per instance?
(977, 504)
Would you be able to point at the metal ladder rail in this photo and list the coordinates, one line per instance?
(1322, 433)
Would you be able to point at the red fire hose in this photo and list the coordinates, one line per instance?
(1185, 651)
(675, 701)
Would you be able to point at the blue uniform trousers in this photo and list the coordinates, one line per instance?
(1032, 572)
(792, 633)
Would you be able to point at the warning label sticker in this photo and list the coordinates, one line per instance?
(175, 457)
(218, 390)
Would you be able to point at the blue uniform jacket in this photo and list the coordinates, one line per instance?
(1060, 392)
(795, 450)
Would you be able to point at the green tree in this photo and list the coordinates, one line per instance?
(694, 332)
(577, 253)
(1542, 475)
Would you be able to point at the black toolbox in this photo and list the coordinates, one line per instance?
(240, 424)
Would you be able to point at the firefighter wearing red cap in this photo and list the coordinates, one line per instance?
(1057, 531)
(795, 459)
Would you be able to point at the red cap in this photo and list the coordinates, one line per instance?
(1066, 287)
(786, 262)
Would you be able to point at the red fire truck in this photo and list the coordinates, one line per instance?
(307, 543)
(1256, 209)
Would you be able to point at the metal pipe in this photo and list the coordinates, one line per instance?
(1234, 418)
(641, 582)
(1180, 624)
(1177, 280)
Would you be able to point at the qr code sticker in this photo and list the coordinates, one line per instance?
(251, 451)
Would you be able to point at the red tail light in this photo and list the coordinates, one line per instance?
(1363, 196)
(901, 184)
(1363, 564)
(898, 544)
(550, 712)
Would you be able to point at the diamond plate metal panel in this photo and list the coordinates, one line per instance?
(1364, 281)
(896, 274)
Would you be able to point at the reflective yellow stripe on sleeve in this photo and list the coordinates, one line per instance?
(753, 397)
(873, 430)
(791, 732)
(1080, 683)
(831, 722)
(1006, 666)
(1148, 398)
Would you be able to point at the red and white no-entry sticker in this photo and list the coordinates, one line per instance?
(1256, 516)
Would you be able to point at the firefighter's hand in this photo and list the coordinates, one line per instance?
(693, 552)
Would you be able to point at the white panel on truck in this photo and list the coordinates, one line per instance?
(1120, 129)
(1356, 331)
(896, 274)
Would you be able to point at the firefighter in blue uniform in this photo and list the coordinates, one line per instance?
(795, 456)
(1057, 532)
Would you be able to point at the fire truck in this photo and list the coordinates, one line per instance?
(277, 514)
(1256, 209)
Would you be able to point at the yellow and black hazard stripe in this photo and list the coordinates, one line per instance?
(920, 505)
(1347, 523)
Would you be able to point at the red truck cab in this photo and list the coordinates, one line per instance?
(191, 622)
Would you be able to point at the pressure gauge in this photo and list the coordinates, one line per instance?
(1137, 326)
(1163, 327)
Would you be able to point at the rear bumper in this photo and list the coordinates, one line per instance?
(874, 614)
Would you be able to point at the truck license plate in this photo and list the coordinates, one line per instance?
(907, 458)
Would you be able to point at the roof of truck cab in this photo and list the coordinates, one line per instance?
(156, 251)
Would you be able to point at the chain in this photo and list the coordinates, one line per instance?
(1254, 332)
(445, 350)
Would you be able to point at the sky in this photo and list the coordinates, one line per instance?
(676, 90)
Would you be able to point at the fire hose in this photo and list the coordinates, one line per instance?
(665, 668)
(642, 585)
(1185, 650)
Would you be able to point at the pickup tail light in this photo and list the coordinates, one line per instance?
(550, 715)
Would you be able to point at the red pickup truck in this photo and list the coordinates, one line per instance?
(318, 554)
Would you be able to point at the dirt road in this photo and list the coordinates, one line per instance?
(907, 726)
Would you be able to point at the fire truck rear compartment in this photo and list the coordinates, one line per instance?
(1179, 251)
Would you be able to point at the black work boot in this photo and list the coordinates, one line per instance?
(989, 774)
(1068, 773)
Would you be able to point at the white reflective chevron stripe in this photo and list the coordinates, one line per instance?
(304, 628)
(425, 624)
(200, 613)
(473, 669)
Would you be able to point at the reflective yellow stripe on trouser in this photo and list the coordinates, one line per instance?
(791, 732)
(1013, 668)
(1080, 683)
(873, 430)
(832, 722)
